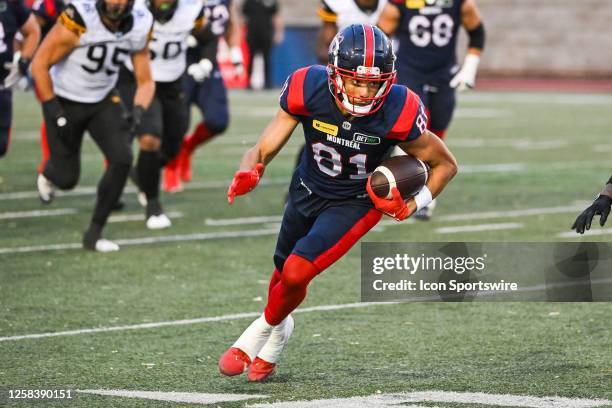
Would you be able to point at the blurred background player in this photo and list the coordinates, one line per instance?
(337, 14)
(204, 86)
(601, 207)
(331, 205)
(427, 55)
(76, 70)
(14, 18)
(46, 12)
(264, 29)
(166, 121)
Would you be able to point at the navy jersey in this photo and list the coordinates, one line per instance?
(217, 14)
(428, 38)
(47, 12)
(13, 15)
(341, 153)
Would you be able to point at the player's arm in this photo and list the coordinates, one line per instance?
(601, 206)
(233, 37)
(252, 165)
(471, 20)
(324, 37)
(430, 149)
(31, 36)
(279, 27)
(389, 19)
(60, 41)
(145, 86)
(30, 31)
(327, 31)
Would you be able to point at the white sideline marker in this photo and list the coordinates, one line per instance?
(185, 397)
(404, 400)
(478, 228)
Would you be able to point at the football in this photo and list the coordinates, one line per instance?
(405, 172)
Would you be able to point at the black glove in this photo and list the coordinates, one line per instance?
(23, 64)
(54, 114)
(601, 206)
(136, 118)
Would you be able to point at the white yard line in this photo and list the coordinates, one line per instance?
(491, 168)
(37, 213)
(147, 240)
(184, 397)
(594, 231)
(478, 228)
(453, 217)
(271, 230)
(237, 316)
(518, 144)
(91, 190)
(184, 322)
(408, 400)
(140, 217)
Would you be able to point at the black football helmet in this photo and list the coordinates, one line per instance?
(164, 12)
(114, 12)
(365, 53)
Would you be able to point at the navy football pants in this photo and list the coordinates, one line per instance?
(321, 230)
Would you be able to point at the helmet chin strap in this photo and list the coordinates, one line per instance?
(357, 110)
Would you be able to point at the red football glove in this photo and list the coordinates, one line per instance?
(244, 181)
(395, 207)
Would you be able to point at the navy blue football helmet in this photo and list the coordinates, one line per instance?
(365, 53)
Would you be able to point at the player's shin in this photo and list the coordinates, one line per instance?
(287, 295)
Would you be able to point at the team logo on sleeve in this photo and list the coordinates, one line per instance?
(325, 127)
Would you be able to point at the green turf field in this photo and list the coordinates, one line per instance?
(528, 164)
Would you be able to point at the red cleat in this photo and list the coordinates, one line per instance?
(184, 165)
(260, 370)
(172, 182)
(233, 362)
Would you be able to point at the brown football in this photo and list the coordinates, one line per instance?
(405, 172)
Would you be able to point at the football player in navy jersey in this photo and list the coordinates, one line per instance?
(14, 17)
(427, 55)
(352, 115)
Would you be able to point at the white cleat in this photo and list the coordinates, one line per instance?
(46, 189)
(142, 199)
(104, 245)
(156, 222)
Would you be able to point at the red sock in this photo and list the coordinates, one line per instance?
(290, 291)
(199, 136)
(44, 147)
